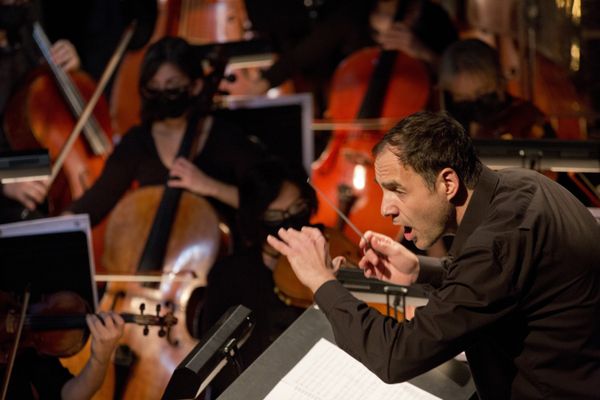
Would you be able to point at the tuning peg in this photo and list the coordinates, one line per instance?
(162, 332)
(146, 329)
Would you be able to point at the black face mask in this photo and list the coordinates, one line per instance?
(158, 105)
(478, 110)
(295, 221)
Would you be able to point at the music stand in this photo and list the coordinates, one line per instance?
(48, 255)
(21, 166)
(451, 380)
(541, 154)
(282, 124)
(216, 347)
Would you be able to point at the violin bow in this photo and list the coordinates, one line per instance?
(13, 353)
(87, 111)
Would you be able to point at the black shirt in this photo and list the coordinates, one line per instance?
(243, 278)
(226, 155)
(33, 373)
(521, 295)
(346, 30)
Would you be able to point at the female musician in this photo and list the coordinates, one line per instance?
(272, 195)
(38, 376)
(18, 57)
(474, 92)
(171, 78)
(424, 33)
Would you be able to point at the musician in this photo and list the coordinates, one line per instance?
(474, 92)
(424, 33)
(272, 195)
(38, 376)
(518, 292)
(171, 78)
(18, 57)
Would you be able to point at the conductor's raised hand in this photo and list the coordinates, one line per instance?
(387, 260)
(307, 253)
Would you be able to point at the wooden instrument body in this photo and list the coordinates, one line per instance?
(37, 116)
(197, 238)
(347, 157)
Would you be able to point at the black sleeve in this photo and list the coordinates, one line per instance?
(476, 293)
(219, 296)
(116, 178)
(49, 376)
(431, 270)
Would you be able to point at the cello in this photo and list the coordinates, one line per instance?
(43, 113)
(174, 261)
(197, 21)
(370, 84)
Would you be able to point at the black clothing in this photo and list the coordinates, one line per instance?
(45, 374)
(342, 30)
(226, 155)
(320, 50)
(508, 119)
(347, 30)
(521, 295)
(242, 278)
(16, 62)
(96, 26)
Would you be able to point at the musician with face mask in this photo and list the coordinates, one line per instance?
(474, 93)
(273, 195)
(171, 77)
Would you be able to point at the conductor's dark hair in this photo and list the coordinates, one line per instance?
(260, 186)
(429, 142)
(173, 50)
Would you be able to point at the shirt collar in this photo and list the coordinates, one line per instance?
(476, 209)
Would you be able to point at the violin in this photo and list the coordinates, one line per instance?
(56, 326)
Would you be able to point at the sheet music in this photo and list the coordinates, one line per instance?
(326, 372)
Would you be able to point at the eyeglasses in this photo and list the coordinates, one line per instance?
(169, 93)
(273, 216)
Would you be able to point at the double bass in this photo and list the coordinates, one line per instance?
(371, 85)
